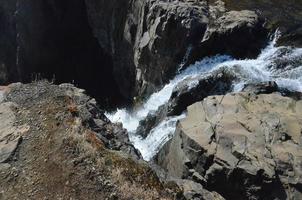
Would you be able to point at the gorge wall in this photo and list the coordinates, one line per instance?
(133, 46)
(53, 39)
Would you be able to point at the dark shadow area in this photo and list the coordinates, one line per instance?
(55, 41)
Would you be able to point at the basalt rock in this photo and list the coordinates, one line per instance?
(190, 91)
(241, 145)
(225, 35)
(282, 15)
(187, 92)
(133, 46)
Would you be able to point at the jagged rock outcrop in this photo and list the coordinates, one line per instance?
(135, 46)
(241, 145)
(187, 92)
(56, 144)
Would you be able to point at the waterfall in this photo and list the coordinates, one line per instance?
(280, 64)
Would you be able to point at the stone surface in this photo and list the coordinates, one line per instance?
(135, 46)
(284, 15)
(195, 191)
(241, 145)
(261, 88)
(9, 135)
(225, 32)
(197, 88)
(69, 149)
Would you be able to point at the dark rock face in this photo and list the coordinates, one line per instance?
(170, 30)
(53, 39)
(8, 43)
(133, 46)
(108, 20)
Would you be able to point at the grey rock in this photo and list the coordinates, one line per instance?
(10, 135)
(244, 145)
(195, 191)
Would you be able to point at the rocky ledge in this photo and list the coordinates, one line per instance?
(56, 144)
(241, 145)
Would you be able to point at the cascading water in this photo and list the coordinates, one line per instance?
(280, 64)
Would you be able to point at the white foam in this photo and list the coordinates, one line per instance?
(260, 69)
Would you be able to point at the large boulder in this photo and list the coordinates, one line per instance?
(242, 145)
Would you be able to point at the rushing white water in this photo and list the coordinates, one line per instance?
(280, 64)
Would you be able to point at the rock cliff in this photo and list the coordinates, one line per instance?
(135, 46)
(242, 145)
(55, 143)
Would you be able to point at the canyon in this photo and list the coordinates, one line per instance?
(180, 99)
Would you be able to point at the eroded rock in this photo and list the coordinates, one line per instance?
(241, 145)
(10, 134)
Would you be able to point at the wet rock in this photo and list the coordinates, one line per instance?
(186, 93)
(191, 91)
(151, 121)
(243, 145)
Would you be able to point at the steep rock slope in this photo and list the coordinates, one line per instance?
(56, 144)
(135, 46)
(153, 39)
(53, 39)
(242, 145)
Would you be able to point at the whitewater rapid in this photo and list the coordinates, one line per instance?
(280, 64)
